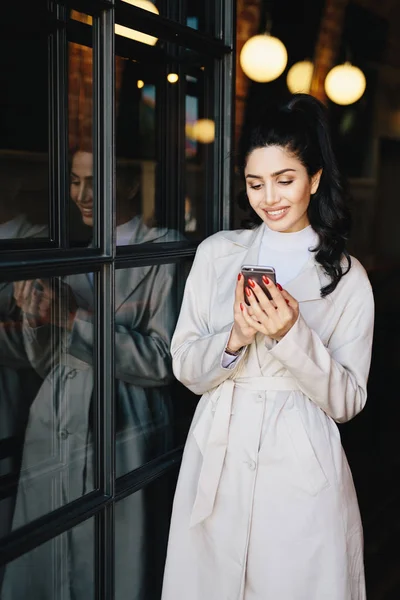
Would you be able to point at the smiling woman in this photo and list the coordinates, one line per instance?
(264, 453)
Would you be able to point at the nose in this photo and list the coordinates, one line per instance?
(270, 196)
(85, 194)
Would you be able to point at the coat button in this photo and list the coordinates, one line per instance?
(260, 397)
(72, 374)
(252, 465)
(63, 434)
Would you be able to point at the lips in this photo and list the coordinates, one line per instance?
(276, 213)
(87, 211)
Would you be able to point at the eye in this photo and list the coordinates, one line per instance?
(286, 182)
(74, 182)
(257, 186)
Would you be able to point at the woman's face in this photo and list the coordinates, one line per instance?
(81, 185)
(279, 188)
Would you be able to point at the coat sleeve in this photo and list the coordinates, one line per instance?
(43, 345)
(142, 355)
(12, 349)
(197, 351)
(334, 377)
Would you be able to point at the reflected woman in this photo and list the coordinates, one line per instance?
(19, 383)
(59, 461)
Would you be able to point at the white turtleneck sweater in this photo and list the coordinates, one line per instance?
(287, 253)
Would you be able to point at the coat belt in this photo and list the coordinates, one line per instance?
(217, 441)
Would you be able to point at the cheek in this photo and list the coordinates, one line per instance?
(301, 196)
(253, 198)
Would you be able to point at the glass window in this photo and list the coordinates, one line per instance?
(200, 15)
(141, 535)
(200, 136)
(136, 139)
(82, 207)
(59, 569)
(55, 72)
(147, 303)
(24, 146)
(46, 396)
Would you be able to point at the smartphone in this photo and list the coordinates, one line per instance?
(256, 273)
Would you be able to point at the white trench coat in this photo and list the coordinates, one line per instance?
(265, 507)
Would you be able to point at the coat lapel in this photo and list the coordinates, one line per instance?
(251, 256)
(307, 285)
(83, 289)
(128, 280)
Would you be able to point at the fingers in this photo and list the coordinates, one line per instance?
(244, 326)
(259, 301)
(239, 291)
(276, 295)
(18, 287)
(290, 301)
(251, 321)
(23, 293)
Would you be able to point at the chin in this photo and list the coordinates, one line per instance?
(284, 225)
(87, 221)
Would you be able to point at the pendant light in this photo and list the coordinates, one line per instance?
(132, 34)
(299, 77)
(263, 57)
(203, 131)
(345, 84)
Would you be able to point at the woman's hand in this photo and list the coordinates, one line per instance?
(42, 304)
(243, 332)
(273, 318)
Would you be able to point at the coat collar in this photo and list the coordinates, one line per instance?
(304, 287)
(129, 279)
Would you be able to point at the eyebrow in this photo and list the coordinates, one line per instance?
(79, 177)
(249, 176)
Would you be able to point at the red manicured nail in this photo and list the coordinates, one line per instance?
(248, 291)
(279, 287)
(239, 276)
(241, 306)
(287, 301)
(265, 280)
(251, 282)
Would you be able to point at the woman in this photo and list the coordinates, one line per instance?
(59, 463)
(265, 507)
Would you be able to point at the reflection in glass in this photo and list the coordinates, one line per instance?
(145, 318)
(200, 16)
(56, 325)
(19, 384)
(56, 328)
(24, 168)
(80, 134)
(66, 569)
(142, 524)
(136, 100)
(200, 132)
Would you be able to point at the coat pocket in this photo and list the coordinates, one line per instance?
(311, 475)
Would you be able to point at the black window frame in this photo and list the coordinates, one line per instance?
(55, 258)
